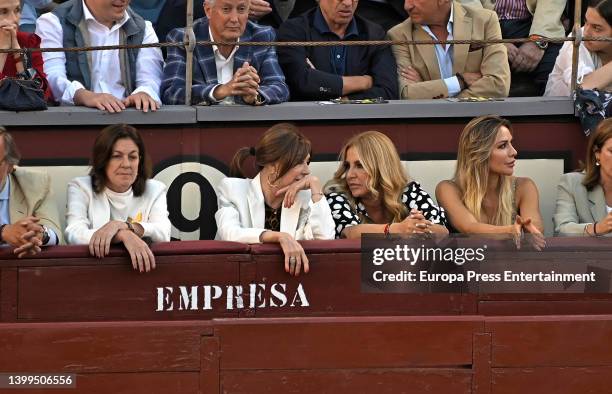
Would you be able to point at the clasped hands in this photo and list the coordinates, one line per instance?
(414, 223)
(244, 83)
(25, 236)
(8, 36)
(524, 58)
(117, 231)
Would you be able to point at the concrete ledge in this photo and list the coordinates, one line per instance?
(395, 109)
(68, 115)
(294, 111)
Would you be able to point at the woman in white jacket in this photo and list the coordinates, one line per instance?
(117, 202)
(283, 203)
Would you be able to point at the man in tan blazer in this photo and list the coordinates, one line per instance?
(28, 214)
(531, 62)
(431, 72)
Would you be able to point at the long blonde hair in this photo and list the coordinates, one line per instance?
(387, 177)
(476, 143)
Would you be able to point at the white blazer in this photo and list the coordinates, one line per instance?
(87, 211)
(241, 214)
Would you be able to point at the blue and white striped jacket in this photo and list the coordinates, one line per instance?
(272, 85)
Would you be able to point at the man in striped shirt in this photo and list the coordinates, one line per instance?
(530, 62)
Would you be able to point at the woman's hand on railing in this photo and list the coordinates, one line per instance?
(415, 223)
(535, 238)
(100, 242)
(295, 257)
(141, 256)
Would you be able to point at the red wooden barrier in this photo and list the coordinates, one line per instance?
(65, 284)
(557, 354)
(437, 354)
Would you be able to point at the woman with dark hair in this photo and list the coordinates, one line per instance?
(584, 199)
(283, 204)
(117, 202)
(484, 197)
(12, 64)
(371, 192)
(594, 57)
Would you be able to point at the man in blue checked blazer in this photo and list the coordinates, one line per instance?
(226, 73)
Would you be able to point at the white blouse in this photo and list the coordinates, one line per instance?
(560, 79)
(88, 211)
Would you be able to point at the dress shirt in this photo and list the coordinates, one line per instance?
(225, 70)
(106, 70)
(512, 9)
(445, 58)
(5, 217)
(337, 53)
(560, 78)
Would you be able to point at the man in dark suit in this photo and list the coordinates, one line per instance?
(226, 73)
(320, 73)
(173, 14)
(275, 12)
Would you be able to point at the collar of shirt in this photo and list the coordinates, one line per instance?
(217, 52)
(449, 29)
(320, 24)
(90, 18)
(6, 190)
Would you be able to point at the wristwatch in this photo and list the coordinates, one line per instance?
(536, 39)
(45, 236)
(541, 44)
(259, 99)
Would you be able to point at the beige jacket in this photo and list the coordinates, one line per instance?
(469, 23)
(546, 16)
(31, 195)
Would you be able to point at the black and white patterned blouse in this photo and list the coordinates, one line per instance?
(413, 197)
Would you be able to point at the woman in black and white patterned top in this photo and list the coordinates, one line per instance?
(371, 193)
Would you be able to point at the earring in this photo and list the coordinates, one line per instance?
(597, 163)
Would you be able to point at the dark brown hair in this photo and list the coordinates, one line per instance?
(604, 8)
(283, 143)
(103, 149)
(596, 142)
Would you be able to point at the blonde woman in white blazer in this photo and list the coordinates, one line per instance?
(117, 203)
(284, 203)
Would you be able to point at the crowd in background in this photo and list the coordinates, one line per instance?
(147, 78)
